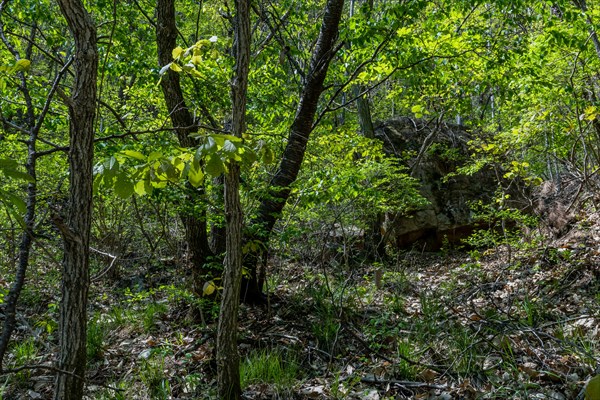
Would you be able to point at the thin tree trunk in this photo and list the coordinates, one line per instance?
(26, 241)
(274, 200)
(33, 125)
(217, 229)
(76, 231)
(183, 123)
(228, 374)
(24, 251)
(26, 237)
(374, 244)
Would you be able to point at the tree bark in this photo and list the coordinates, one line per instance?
(183, 124)
(76, 232)
(274, 200)
(228, 374)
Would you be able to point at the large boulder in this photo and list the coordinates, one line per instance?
(433, 151)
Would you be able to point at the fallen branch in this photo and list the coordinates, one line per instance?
(406, 384)
(383, 357)
(53, 369)
(105, 271)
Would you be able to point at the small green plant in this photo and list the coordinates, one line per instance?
(152, 374)
(112, 394)
(48, 321)
(404, 368)
(396, 304)
(398, 281)
(191, 382)
(151, 314)
(270, 367)
(24, 353)
(340, 388)
(532, 312)
(326, 330)
(431, 308)
(471, 266)
(326, 325)
(96, 332)
(464, 344)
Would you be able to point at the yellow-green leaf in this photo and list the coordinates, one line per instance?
(195, 176)
(135, 154)
(22, 65)
(416, 108)
(177, 52)
(209, 288)
(176, 67)
(142, 188)
(268, 155)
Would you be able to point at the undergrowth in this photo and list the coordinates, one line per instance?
(458, 324)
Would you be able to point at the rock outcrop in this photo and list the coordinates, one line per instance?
(433, 151)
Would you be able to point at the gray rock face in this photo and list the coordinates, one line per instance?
(432, 151)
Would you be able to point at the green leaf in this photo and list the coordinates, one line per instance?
(195, 176)
(268, 156)
(143, 188)
(177, 52)
(209, 288)
(249, 157)
(229, 147)
(112, 164)
(110, 168)
(175, 67)
(155, 155)
(124, 188)
(169, 170)
(15, 201)
(592, 390)
(22, 65)
(224, 137)
(11, 173)
(8, 163)
(134, 154)
(214, 166)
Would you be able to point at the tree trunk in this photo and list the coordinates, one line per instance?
(25, 243)
(228, 373)
(76, 231)
(26, 240)
(217, 229)
(374, 245)
(274, 200)
(183, 124)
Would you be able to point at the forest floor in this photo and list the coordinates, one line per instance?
(499, 324)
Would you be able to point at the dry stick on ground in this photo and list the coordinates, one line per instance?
(105, 270)
(406, 384)
(54, 369)
(369, 349)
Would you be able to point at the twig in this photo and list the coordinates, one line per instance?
(408, 384)
(105, 271)
(53, 369)
(383, 357)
